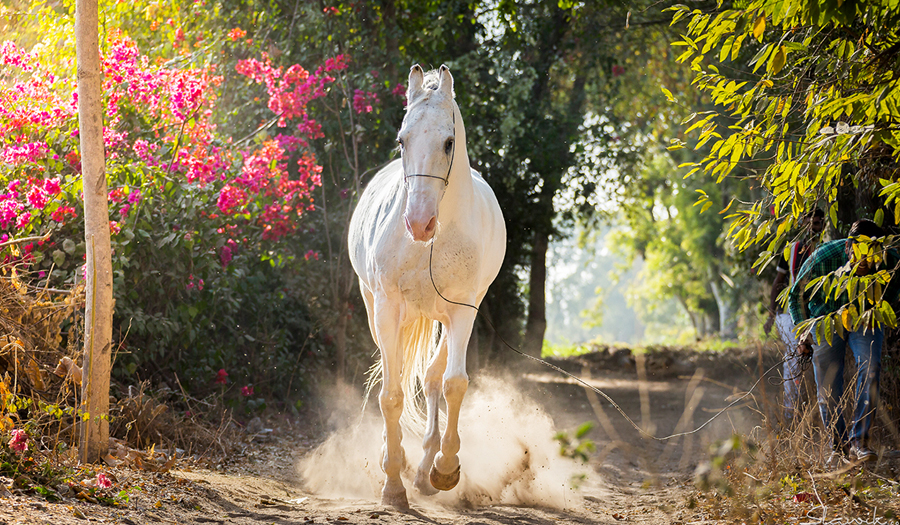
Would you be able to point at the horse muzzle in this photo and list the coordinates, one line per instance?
(421, 229)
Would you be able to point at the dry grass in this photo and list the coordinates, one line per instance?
(779, 473)
(40, 348)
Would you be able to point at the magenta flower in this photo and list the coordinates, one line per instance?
(231, 198)
(225, 255)
(363, 101)
(23, 220)
(37, 198)
(247, 391)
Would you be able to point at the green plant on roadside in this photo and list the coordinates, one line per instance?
(576, 446)
(564, 350)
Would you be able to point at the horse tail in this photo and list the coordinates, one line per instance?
(419, 340)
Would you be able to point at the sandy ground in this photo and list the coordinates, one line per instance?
(512, 471)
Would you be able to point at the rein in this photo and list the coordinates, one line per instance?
(452, 156)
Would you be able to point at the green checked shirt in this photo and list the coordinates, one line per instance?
(802, 305)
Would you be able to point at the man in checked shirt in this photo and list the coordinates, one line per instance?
(865, 342)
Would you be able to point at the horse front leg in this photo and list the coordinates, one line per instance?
(445, 471)
(432, 441)
(387, 324)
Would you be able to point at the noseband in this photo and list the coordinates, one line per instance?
(452, 155)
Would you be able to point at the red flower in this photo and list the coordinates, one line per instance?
(103, 481)
(221, 377)
(19, 441)
(247, 391)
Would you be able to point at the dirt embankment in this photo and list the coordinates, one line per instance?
(512, 470)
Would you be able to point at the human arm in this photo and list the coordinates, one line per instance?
(804, 305)
(798, 305)
(779, 284)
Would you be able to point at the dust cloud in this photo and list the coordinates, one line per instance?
(507, 455)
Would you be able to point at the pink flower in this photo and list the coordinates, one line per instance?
(225, 255)
(247, 391)
(231, 198)
(52, 186)
(363, 101)
(103, 481)
(9, 212)
(399, 90)
(221, 377)
(311, 255)
(114, 228)
(19, 441)
(23, 220)
(37, 198)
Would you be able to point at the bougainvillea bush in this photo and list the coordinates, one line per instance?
(204, 226)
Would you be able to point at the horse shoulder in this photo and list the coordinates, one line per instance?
(373, 219)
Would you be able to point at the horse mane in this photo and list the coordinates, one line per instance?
(432, 80)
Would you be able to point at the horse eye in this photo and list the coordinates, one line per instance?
(448, 146)
(400, 142)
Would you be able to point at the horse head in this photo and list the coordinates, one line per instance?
(427, 142)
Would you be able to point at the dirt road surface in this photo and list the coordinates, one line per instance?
(512, 471)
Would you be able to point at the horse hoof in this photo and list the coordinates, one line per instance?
(395, 499)
(423, 485)
(444, 481)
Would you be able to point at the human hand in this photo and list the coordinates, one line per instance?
(805, 349)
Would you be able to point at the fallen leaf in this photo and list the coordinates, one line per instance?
(802, 497)
(618, 516)
(67, 368)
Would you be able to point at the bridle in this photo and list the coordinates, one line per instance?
(452, 155)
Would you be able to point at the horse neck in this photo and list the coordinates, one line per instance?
(460, 188)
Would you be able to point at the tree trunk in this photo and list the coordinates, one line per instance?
(94, 424)
(536, 324)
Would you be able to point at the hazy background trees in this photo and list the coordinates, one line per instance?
(577, 114)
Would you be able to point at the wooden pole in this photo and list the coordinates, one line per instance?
(93, 424)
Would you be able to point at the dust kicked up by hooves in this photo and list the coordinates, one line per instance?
(508, 454)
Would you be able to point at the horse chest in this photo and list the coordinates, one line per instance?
(452, 265)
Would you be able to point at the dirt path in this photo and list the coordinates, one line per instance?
(512, 472)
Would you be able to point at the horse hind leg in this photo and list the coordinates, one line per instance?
(432, 441)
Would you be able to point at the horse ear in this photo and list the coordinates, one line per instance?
(446, 84)
(416, 77)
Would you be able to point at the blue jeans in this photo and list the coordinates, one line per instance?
(828, 365)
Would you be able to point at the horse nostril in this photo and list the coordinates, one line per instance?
(431, 224)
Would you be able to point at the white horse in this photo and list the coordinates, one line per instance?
(425, 216)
